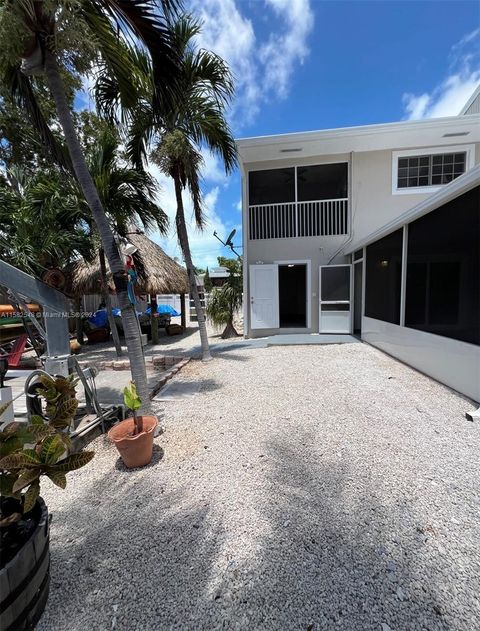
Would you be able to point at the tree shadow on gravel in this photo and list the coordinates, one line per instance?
(231, 354)
(139, 563)
(336, 557)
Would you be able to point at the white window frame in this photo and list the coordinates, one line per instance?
(428, 151)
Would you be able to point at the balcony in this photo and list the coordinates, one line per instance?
(298, 201)
(321, 218)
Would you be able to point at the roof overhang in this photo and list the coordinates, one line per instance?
(458, 187)
(475, 93)
(403, 135)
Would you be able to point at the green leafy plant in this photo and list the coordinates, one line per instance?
(41, 448)
(134, 403)
(224, 302)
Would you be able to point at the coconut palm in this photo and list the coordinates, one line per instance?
(197, 121)
(79, 34)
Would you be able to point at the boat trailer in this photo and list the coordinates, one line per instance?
(57, 359)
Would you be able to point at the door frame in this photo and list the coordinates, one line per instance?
(320, 301)
(308, 290)
(360, 262)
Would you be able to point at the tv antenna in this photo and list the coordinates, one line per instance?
(229, 242)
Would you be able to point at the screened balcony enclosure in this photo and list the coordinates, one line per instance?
(302, 201)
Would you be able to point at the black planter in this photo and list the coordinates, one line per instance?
(25, 580)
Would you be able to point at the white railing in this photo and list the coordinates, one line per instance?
(326, 217)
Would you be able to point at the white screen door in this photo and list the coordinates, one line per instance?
(335, 299)
(264, 297)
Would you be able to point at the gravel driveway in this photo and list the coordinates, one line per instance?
(320, 487)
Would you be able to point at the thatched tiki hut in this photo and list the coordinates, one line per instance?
(157, 273)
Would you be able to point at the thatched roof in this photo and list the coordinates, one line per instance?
(157, 272)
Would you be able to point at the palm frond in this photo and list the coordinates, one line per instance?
(140, 133)
(145, 22)
(207, 74)
(192, 175)
(205, 124)
(23, 95)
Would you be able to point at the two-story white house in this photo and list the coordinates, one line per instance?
(371, 230)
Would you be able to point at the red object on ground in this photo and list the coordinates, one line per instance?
(15, 354)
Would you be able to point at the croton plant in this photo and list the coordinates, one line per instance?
(40, 448)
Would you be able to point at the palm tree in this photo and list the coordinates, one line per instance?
(196, 122)
(45, 199)
(78, 34)
(128, 197)
(225, 301)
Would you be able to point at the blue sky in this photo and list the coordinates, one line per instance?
(313, 64)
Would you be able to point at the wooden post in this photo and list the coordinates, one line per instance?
(183, 311)
(78, 320)
(154, 318)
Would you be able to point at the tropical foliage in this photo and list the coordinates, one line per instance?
(103, 38)
(207, 281)
(224, 302)
(28, 452)
(196, 122)
(41, 223)
(134, 403)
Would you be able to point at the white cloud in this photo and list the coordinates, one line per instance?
(212, 170)
(263, 69)
(238, 205)
(448, 98)
(286, 48)
(204, 246)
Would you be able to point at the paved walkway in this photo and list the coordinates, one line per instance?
(297, 488)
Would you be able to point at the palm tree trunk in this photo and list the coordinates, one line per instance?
(108, 303)
(229, 331)
(184, 244)
(129, 318)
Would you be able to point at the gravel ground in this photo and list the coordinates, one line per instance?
(324, 487)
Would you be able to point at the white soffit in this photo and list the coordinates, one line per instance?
(403, 135)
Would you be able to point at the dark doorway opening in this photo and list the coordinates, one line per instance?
(357, 297)
(292, 287)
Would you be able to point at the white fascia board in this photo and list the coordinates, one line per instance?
(404, 134)
(460, 185)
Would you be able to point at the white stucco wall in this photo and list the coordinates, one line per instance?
(317, 250)
(452, 362)
(371, 205)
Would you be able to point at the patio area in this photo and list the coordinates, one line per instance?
(307, 487)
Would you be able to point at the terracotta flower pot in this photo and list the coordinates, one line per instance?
(136, 451)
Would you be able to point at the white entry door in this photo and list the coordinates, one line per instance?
(264, 297)
(335, 299)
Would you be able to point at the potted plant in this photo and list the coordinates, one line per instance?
(133, 437)
(28, 454)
